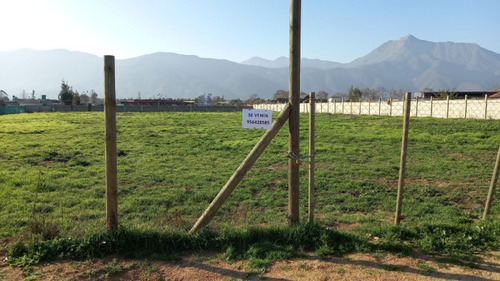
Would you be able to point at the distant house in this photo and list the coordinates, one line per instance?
(461, 94)
(335, 99)
(495, 96)
(150, 102)
(285, 100)
(29, 102)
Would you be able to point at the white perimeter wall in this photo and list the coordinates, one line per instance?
(478, 109)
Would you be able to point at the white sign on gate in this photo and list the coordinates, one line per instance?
(257, 119)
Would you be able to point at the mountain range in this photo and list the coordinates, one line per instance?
(409, 63)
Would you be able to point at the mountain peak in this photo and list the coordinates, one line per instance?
(409, 37)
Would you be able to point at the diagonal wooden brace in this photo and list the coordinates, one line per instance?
(244, 167)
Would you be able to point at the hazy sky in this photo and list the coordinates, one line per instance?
(236, 30)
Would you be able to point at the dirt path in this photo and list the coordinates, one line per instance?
(197, 267)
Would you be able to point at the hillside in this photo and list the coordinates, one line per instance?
(409, 63)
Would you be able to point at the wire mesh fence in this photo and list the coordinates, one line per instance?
(438, 108)
(12, 109)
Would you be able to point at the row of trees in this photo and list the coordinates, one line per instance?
(354, 94)
(69, 97)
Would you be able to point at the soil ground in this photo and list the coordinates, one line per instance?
(211, 267)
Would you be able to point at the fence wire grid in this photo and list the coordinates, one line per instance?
(437, 108)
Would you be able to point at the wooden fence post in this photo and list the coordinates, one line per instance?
(390, 106)
(485, 106)
(465, 106)
(447, 106)
(110, 132)
(402, 165)
(242, 170)
(491, 192)
(416, 106)
(431, 106)
(311, 157)
(294, 120)
(379, 106)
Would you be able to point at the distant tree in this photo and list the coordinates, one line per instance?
(66, 94)
(397, 95)
(340, 95)
(355, 94)
(76, 98)
(93, 97)
(252, 99)
(201, 99)
(209, 98)
(373, 94)
(322, 96)
(218, 100)
(382, 93)
(280, 94)
(236, 102)
(84, 98)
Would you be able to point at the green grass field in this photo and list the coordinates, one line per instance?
(171, 165)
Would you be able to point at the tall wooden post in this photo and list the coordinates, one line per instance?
(402, 165)
(491, 192)
(293, 123)
(312, 116)
(110, 121)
